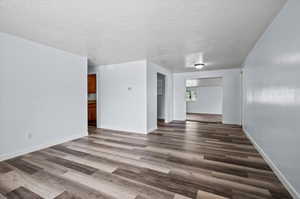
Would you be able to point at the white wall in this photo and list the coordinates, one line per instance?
(209, 100)
(135, 109)
(43, 96)
(272, 95)
(152, 70)
(231, 93)
(122, 96)
(232, 97)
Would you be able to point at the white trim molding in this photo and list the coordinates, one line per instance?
(151, 130)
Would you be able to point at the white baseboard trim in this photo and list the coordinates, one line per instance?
(151, 130)
(232, 123)
(40, 147)
(122, 130)
(219, 114)
(275, 169)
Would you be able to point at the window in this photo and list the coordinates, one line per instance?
(191, 95)
(191, 83)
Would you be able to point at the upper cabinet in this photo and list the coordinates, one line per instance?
(92, 84)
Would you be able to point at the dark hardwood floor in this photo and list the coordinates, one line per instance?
(201, 117)
(177, 161)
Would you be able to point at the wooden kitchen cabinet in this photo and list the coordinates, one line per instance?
(92, 83)
(92, 113)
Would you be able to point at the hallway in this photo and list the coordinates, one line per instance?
(180, 160)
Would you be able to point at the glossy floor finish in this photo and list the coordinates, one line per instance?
(204, 117)
(178, 161)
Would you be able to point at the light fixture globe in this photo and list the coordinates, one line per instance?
(199, 66)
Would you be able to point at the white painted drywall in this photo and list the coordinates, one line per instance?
(209, 100)
(161, 96)
(152, 70)
(231, 93)
(272, 95)
(232, 97)
(122, 96)
(43, 98)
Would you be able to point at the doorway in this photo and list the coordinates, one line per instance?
(161, 98)
(92, 101)
(204, 100)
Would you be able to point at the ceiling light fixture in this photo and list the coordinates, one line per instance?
(199, 66)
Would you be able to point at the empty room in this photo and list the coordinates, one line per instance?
(149, 99)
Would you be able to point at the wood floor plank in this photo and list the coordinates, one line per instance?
(143, 190)
(2, 196)
(47, 166)
(15, 179)
(67, 150)
(239, 161)
(119, 160)
(4, 168)
(101, 185)
(102, 167)
(73, 165)
(67, 195)
(158, 179)
(206, 195)
(106, 148)
(249, 181)
(24, 166)
(71, 186)
(178, 196)
(215, 183)
(22, 193)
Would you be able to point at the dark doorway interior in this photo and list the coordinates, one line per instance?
(161, 97)
(92, 100)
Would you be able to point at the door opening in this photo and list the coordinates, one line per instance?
(204, 100)
(92, 101)
(161, 97)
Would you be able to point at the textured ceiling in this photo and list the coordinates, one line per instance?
(163, 31)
